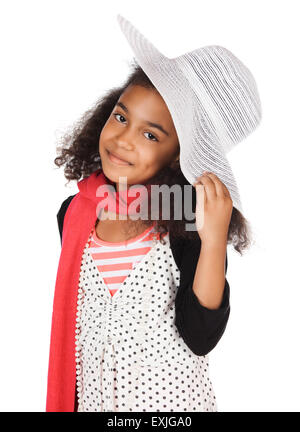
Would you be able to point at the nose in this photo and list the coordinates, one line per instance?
(125, 140)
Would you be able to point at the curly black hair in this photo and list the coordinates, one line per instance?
(78, 152)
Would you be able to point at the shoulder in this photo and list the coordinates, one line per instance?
(185, 252)
(65, 204)
(62, 211)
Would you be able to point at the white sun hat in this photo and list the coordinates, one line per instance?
(212, 98)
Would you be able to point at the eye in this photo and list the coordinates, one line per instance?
(155, 139)
(115, 115)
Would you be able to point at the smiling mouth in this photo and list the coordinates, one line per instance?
(117, 161)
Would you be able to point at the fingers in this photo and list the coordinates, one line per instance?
(209, 186)
(220, 188)
(213, 186)
(201, 193)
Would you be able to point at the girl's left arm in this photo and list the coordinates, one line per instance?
(202, 302)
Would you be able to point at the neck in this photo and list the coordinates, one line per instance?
(120, 186)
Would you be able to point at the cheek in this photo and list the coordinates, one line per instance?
(153, 164)
(149, 157)
(107, 129)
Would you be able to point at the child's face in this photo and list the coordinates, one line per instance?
(128, 135)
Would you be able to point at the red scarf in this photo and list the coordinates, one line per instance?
(79, 221)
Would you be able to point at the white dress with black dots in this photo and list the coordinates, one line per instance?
(129, 354)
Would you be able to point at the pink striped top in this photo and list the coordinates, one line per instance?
(114, 261)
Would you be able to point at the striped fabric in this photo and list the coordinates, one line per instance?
(114, 261)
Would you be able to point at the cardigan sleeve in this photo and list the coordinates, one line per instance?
(201, 328)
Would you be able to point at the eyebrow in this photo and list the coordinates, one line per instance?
(155, 125)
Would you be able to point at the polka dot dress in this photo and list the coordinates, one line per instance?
(129, 354)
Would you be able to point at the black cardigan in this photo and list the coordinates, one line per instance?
(201, 328)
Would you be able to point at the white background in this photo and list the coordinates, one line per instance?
(57, 59)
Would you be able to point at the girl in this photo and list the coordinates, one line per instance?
(138, 303)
